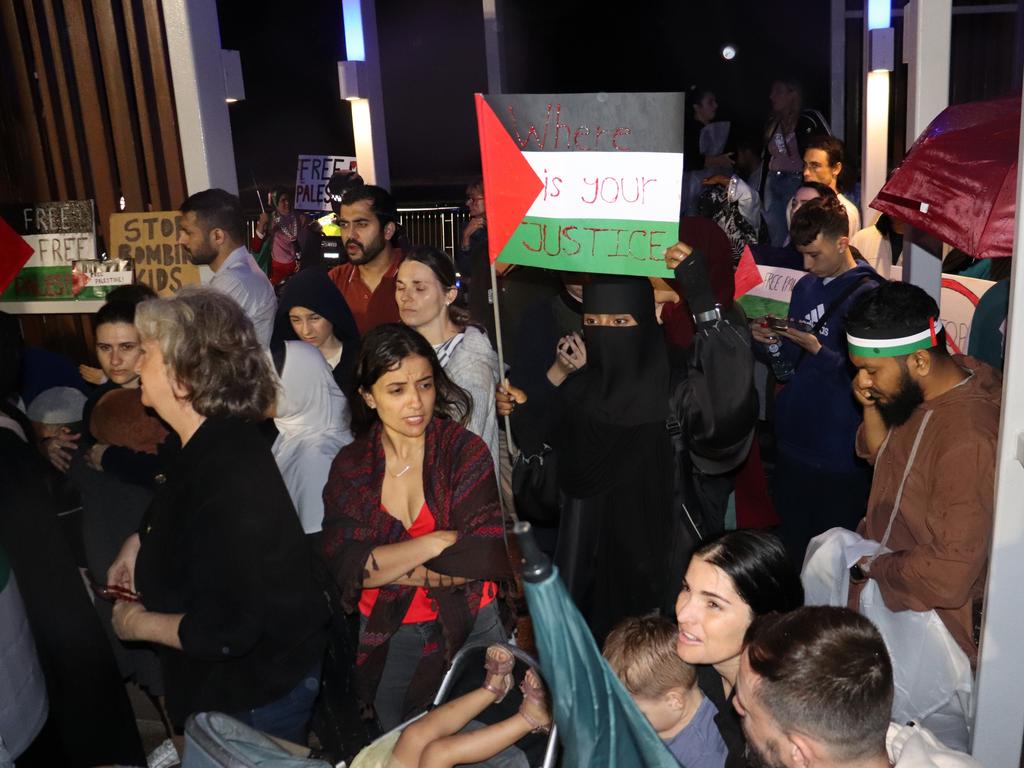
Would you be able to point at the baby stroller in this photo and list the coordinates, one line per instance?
(466, 674)
(213, 740)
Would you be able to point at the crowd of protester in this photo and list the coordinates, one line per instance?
(297, 493)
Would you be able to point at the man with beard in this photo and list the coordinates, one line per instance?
(815, 688)
(931, 422)
(369, 222)
(213, 233)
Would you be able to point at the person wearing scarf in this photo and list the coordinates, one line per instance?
(424, 586)
(312, 309)
(281, 231)
(312, 419)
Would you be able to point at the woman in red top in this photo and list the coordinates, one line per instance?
(413, 530)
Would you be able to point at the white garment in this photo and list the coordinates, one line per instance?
(911, 746)
(851, 213)
(473, 365)
(241, 278)
(313, 425)
(876, 249)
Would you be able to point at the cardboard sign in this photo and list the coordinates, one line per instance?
(958, 300)
(311, 179)
(583, 182)
(149, 242)
(59, 234)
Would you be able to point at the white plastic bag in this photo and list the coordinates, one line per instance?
(932, 674)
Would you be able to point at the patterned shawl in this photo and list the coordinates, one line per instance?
(461, 492)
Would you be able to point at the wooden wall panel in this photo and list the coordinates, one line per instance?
(86, 111)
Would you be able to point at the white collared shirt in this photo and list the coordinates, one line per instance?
(241, 278)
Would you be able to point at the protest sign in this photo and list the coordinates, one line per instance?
(41, 244)
(582, 182)
(311, 177)
(149, 241)
(959, 298)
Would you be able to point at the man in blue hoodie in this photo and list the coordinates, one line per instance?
(819, 481)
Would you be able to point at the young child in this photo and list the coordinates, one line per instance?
(642, 653)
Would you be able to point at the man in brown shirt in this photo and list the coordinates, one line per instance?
(369, 221)
(931, 424)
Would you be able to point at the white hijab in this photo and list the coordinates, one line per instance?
(313, 425)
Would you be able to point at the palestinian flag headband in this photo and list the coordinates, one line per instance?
(891, 345)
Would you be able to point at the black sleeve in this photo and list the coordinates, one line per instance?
(717, 400)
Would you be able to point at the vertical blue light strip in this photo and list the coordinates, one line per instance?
(879, 14)
(352, 20)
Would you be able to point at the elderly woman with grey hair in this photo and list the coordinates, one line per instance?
(219, 575)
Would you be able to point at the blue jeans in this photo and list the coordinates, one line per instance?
(287, 717)
(779, 187)
(404, 652)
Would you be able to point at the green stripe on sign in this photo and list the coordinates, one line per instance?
(758, 306)
(40, 284)
(608, 246)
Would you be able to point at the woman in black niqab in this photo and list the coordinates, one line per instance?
(620, 544)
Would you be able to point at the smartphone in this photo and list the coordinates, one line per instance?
(113, 593)
(777, 323)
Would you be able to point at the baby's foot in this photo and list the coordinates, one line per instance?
(499, 664)
(535, 709)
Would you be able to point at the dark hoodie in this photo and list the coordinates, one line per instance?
(816, 414)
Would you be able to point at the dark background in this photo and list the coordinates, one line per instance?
(433, 62)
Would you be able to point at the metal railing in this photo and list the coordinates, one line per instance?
(439, 226)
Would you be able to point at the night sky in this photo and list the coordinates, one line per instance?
(433, 61)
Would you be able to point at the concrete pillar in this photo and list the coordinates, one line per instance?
(193, 44)
(837, 68)
(927, 28)
(878, 55)
(360, 21)
(999, 706)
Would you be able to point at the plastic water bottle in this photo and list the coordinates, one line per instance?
(780, 365)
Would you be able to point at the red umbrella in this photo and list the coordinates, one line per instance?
(959, 179)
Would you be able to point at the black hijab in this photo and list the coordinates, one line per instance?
(626, 379)
(314, 290)
(617, 405)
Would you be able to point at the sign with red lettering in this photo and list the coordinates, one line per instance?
(60, 235)
(149, 241)
(582, 182)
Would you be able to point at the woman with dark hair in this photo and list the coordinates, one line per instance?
(220, 575)
(426, 292)
(282, 232)
(730, 580)
(312, 309)
(413, 531)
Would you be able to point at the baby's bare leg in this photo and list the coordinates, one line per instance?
(475, 746)
(445, 720)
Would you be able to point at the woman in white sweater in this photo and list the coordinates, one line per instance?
(425, 292)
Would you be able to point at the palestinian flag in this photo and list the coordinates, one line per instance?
(582, 182)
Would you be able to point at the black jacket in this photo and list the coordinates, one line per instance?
(221, 543)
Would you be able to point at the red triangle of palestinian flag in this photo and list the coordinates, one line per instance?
(14, 254)
(747, 276)
(511, 184)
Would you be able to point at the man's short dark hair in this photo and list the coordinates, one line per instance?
(382, 204)
(824, 672)
(217, 209)
(899, 308)
(823, 190)
(830, 145)
(823, 216)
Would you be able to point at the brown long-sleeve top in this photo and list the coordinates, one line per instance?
(941, 535)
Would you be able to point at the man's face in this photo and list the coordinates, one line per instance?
(816, 168)
(194, 241)
(824, 257)
(888, 381)
(361, 230)
(766, 742)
